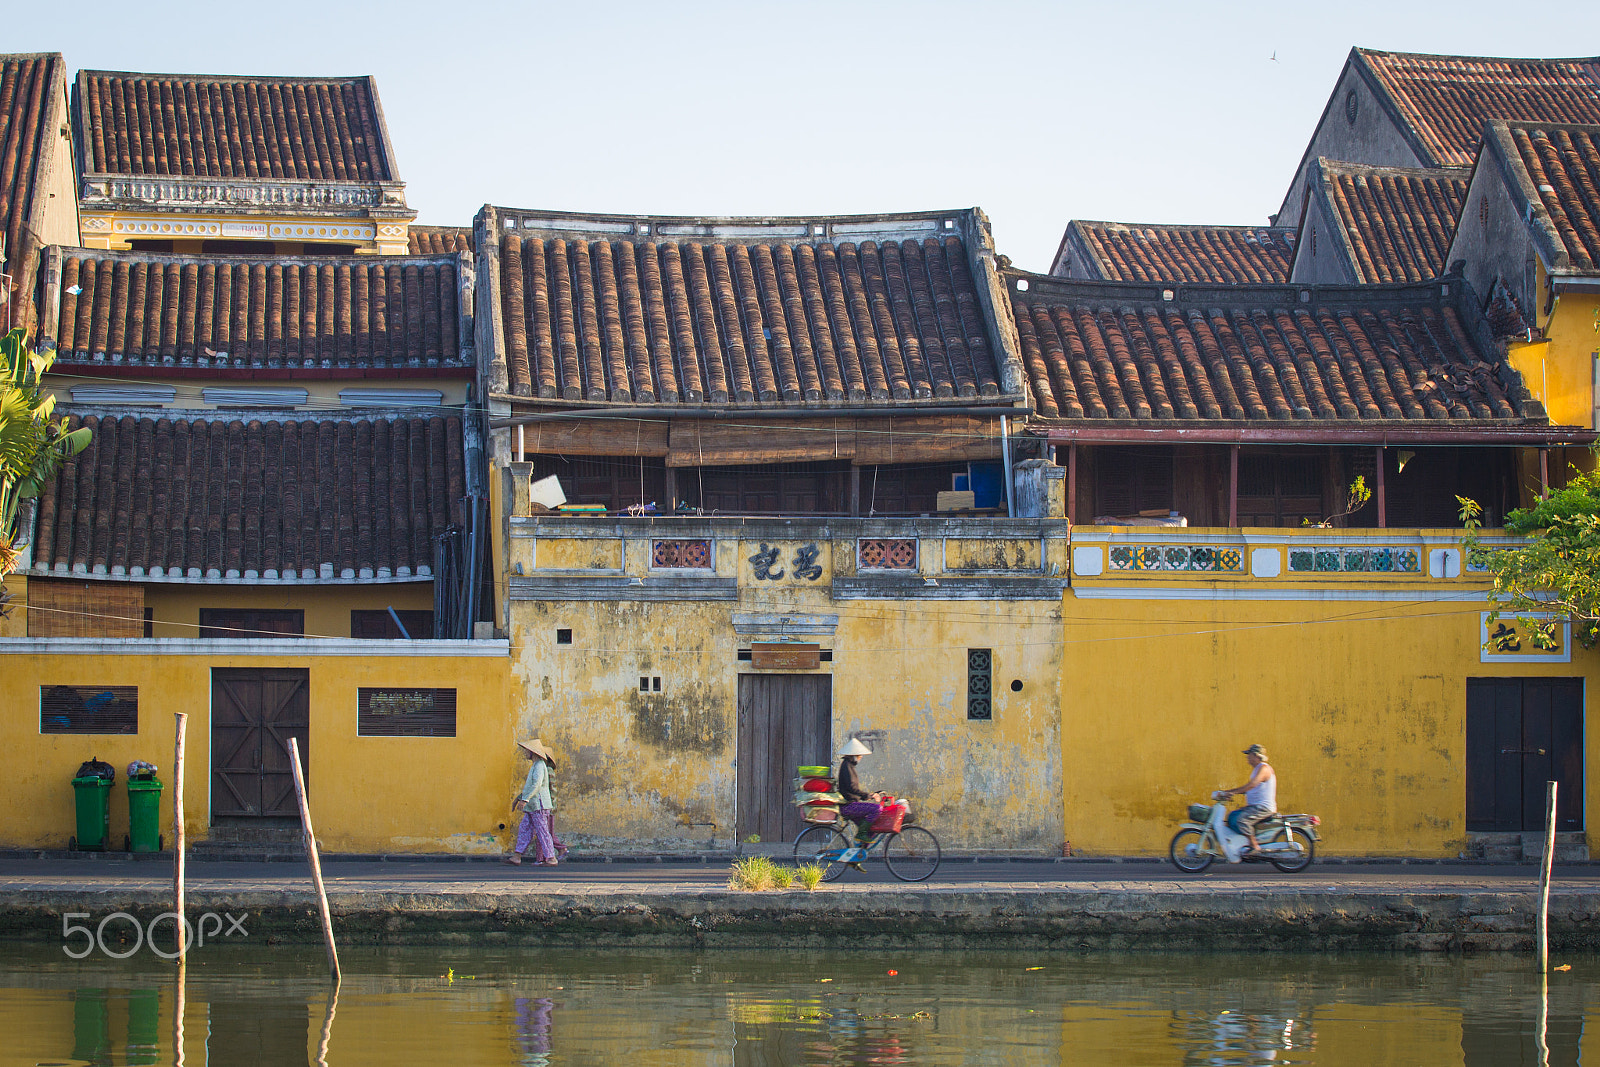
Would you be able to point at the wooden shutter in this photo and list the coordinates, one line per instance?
(405, 712)
(88, 709)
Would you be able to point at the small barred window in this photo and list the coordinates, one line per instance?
(887, 553)
(980, 683)
(686, 555)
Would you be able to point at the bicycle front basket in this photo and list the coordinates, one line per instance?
(1199, 813)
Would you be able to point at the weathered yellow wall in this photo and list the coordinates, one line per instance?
(1560, 369)
(368, 794)
(635, 769)
(579, 554)
(176, 608)
(1361, 704)
(15, 623)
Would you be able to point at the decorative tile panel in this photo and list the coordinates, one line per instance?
(682, 554)
(887, 553)
(1218, 558)
(1327, 559)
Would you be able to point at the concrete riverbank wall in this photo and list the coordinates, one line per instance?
(1074, 917)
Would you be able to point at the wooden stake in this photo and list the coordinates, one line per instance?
(180, 931)
(311, 851)
(1544, 878)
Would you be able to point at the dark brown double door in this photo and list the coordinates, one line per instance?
(785, 721)
(1522, 733)
(254, 712)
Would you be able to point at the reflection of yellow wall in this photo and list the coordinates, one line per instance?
(176, 608)
(368, 794)
(1361, 705)
(1387, 1033)
(637, 768)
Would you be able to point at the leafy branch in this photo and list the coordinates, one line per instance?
(1556, 573)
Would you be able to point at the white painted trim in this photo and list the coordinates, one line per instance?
(1266, 562)
(224, 648)
(259, 396)
(123, 394)
(391, 398)
(1088, 560)
(1416, 596)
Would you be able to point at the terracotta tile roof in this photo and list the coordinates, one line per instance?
(435, 240)
(1125, 252)
(152, 310)
(1554, 170)
(1244, 354)
(1505, 313)
(743, 310)
(1397, 222)
(287, 500)
(29, 120)
(323, 129)
(1445, 100)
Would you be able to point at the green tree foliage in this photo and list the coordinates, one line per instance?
(1557, 571)
(33, 442)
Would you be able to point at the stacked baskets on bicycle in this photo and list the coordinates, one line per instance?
(816, 796)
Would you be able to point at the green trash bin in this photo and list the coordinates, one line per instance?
(144, 814)
(93, 794)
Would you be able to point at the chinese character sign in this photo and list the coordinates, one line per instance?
(1511, 639)
(798, 563)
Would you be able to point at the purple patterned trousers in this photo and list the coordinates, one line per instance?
(536, 825)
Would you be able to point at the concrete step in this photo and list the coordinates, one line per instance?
(1570, 847)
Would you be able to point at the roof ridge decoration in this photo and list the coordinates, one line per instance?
(1553, 172)
(1204, 355)
(792, 310)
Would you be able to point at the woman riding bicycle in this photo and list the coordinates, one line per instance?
(860, 807)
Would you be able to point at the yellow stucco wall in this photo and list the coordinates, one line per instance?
(636, 769)
(368, 794)
(1560, 369)
(1360, 701)
(175, 608)
(15, 623)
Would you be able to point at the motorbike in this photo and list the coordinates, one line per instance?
(1288, 842)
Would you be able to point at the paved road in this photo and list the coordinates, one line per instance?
(109, 872)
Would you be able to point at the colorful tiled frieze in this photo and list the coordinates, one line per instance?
(1225, 559)
(1366, 559)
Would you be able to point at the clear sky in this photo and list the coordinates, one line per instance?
(1038, 113)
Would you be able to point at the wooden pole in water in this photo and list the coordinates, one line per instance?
(180, 932)
(311, 851)
(180, 1004)
(1544, 877)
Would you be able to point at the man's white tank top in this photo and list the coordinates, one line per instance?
(1264, 793)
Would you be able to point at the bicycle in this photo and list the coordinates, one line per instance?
(911, 853)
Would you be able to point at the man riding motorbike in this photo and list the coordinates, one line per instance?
(1260, 795)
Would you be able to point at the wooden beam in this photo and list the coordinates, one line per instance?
(1072, 482)
(1383, 497)
(1544, 472)
(671, 492)
(1233, 486)
(855, 490)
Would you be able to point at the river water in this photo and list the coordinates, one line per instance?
(270, 1004)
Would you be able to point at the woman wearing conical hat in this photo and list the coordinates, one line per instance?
(537, 805)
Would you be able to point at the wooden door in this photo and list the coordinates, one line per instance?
(785, 721)
(1522, 733)
(254, 712)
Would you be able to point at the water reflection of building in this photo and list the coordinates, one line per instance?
(1238, 1037)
